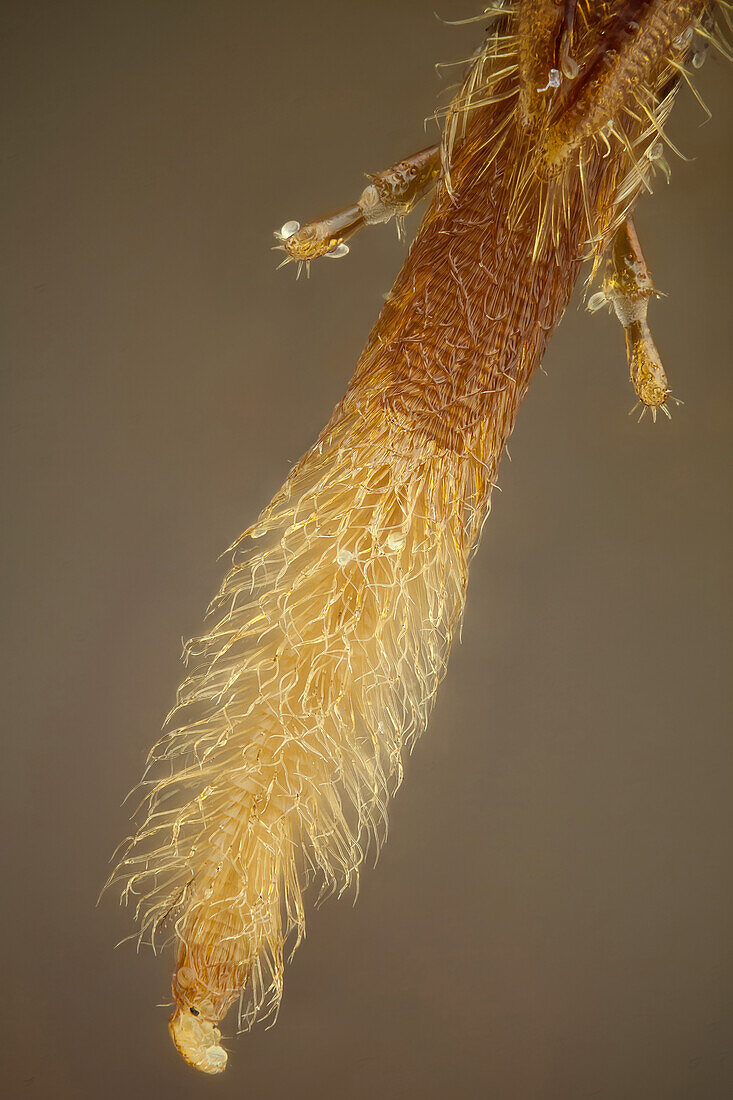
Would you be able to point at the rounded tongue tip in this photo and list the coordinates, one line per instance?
(197, 1041)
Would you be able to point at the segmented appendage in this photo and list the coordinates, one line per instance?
(330, 633)
(324, 237)
(647, 373)
(395, 191)
(627, 288)
(630, 51)
(392, 193)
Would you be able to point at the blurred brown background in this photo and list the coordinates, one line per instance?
(551, 916)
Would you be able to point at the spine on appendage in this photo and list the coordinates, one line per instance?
(330, 634)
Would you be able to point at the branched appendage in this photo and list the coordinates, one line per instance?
(330, 634)
(392, 193)
(627, 288)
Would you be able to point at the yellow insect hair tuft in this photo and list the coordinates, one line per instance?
(331, 631)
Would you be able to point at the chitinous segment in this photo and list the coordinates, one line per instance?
(622, 72)
(627, 288)
(540, 39)
(391, 193)
(327, 640)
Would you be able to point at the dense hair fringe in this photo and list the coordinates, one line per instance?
(326, 643)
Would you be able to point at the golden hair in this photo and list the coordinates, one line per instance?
(327, 640)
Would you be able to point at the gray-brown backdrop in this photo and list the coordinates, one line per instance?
(551, 916)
